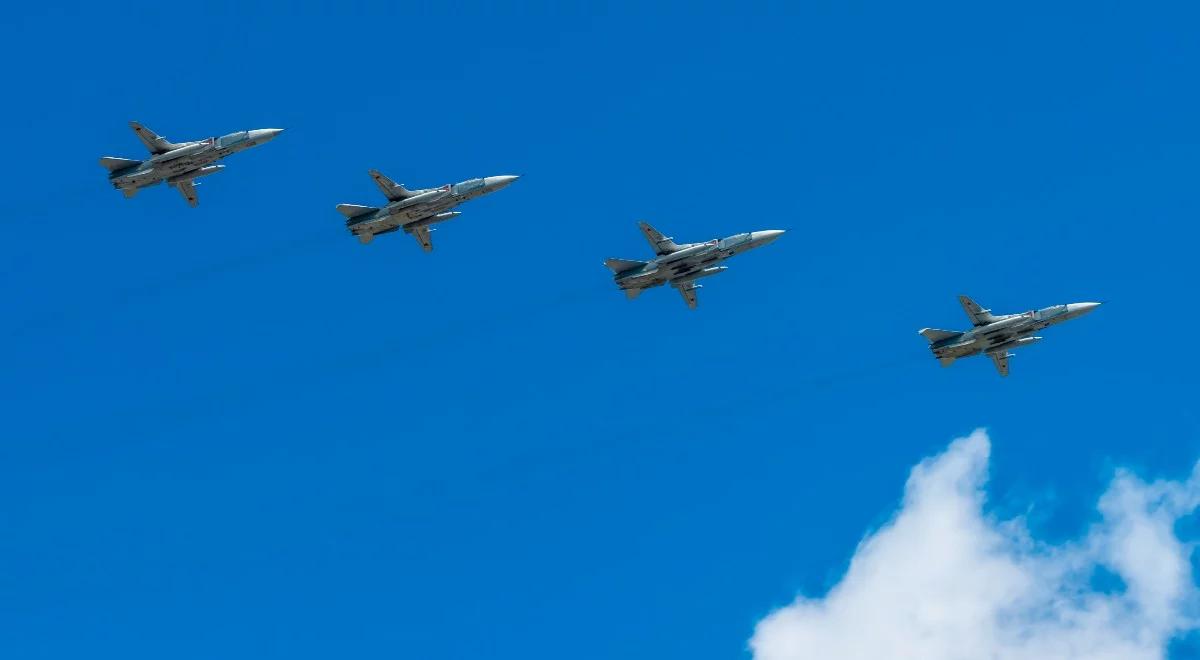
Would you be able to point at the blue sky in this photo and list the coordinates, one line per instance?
(233, 430)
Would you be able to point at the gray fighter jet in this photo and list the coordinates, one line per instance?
(414, 210)
(178, 163)
(681, 265)
(994, 335)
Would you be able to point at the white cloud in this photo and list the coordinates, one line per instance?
(945, 580)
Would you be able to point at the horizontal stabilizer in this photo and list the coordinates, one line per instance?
(934, 335)
(622, 265)
(112, 164)
(352, 211)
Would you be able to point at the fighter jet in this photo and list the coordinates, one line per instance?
(178, 163)
(681, 265)
(994, 335)
(414, 210)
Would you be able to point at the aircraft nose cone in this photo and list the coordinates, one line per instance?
(1079, 309)
(498, 182)
(264, 134)
(765, 236)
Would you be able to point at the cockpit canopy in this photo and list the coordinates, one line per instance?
(226, 141)
(1050, 312)
(733, 241)
(467, 186)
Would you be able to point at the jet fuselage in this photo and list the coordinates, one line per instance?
(1007, 332)
(692, 262)
(189, 160)
(426, 207)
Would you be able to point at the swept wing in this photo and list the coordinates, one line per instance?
(156, 143)
(978, 315)
(688, 291)
(188, 190)
(661, 244)
(390, 189)
(1001, 360)
(422, 235)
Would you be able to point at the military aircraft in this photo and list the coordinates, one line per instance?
(178, 163)
(681, 265)
(995, 335)
(414, 210)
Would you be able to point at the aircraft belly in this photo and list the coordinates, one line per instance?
(686, 266)
(640, 283)
(141, 179)
(1005, 337)
(409, 214)
(959, 350)
(382, 224)
(428, 210)
(642, 280)
(181, 165)
(1006, 332)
